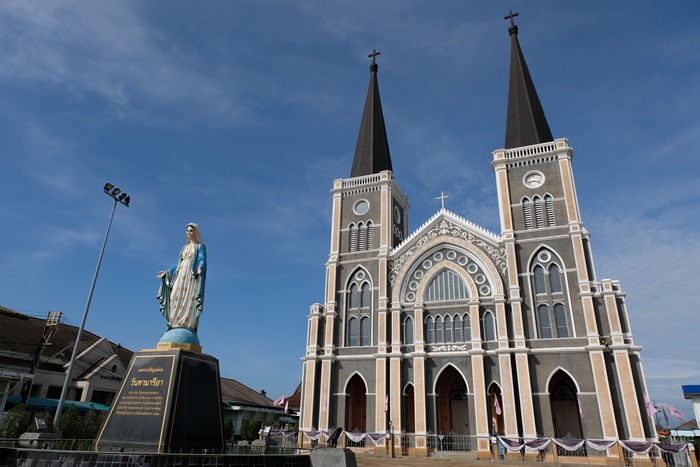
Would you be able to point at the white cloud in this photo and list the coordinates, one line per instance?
(103, 49)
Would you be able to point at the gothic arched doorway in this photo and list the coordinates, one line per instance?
(496, 406)
(410, 409)
(356, 408)
(452, 405)
(566, 418)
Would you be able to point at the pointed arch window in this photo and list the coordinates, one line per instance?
(555, 278)
(353, 238)
(560, 320)
(458, 329)
(365, 297)
(448, 329)
(549, 209)
(489, 326)
(527, 213)
(358, 309)
(354, 298)
(549, 296)
(364, 331)
(368, 242)
(439, 334)
(360, 236)
(467, 327)
(447, 285)
(429, 330)
(545, 322)
(537, 204)
(408, 331)
(352, 332)
(540, 287)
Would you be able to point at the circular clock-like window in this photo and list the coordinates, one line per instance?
(361, 207)
(533, 179)
(397, 215)
(544, 256)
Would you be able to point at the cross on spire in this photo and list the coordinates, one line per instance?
(442, 198)
(511, 16)
(374, 55)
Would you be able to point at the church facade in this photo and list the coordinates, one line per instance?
(453, 329)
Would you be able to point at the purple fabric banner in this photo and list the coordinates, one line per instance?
(510, 445)
(376, 437)
(673, 448)
(355, 437)
(537, 445)
(313, 435)
(637, 447)
(600, 444)
(570, 445)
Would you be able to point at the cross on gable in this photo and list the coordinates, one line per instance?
(374, 55)
(442, 199)
(511, 16)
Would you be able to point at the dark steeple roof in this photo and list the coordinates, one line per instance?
(372, 150)
(525, 121)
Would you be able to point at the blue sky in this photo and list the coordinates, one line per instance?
(239, 115)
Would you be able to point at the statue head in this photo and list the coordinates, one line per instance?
(194, 236)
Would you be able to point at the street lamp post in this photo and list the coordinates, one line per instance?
(119, 197)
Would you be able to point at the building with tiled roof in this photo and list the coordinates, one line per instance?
(27, 342)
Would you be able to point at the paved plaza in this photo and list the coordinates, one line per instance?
(367, 460)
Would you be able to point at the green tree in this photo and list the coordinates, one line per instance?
(228, 429)
(76, 426)
(15, 422)
(91, 424)
(71, 424)
(249, 430)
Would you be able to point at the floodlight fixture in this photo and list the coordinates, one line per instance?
(124, 199)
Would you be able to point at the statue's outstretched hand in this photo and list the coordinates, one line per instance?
(160, 274)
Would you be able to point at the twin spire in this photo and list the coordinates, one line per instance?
(526, 123)
(372, 150)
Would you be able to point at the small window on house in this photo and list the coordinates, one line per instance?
(439, 335)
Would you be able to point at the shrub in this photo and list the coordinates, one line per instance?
(15, 422)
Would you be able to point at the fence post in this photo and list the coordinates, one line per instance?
(621, 454)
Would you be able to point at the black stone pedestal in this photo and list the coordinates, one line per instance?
(170, 402)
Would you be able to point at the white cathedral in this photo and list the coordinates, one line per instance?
(454, 329)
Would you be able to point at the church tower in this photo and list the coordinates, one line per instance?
(553, 292)
(370, 217)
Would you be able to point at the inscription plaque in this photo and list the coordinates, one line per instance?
(169, 400)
